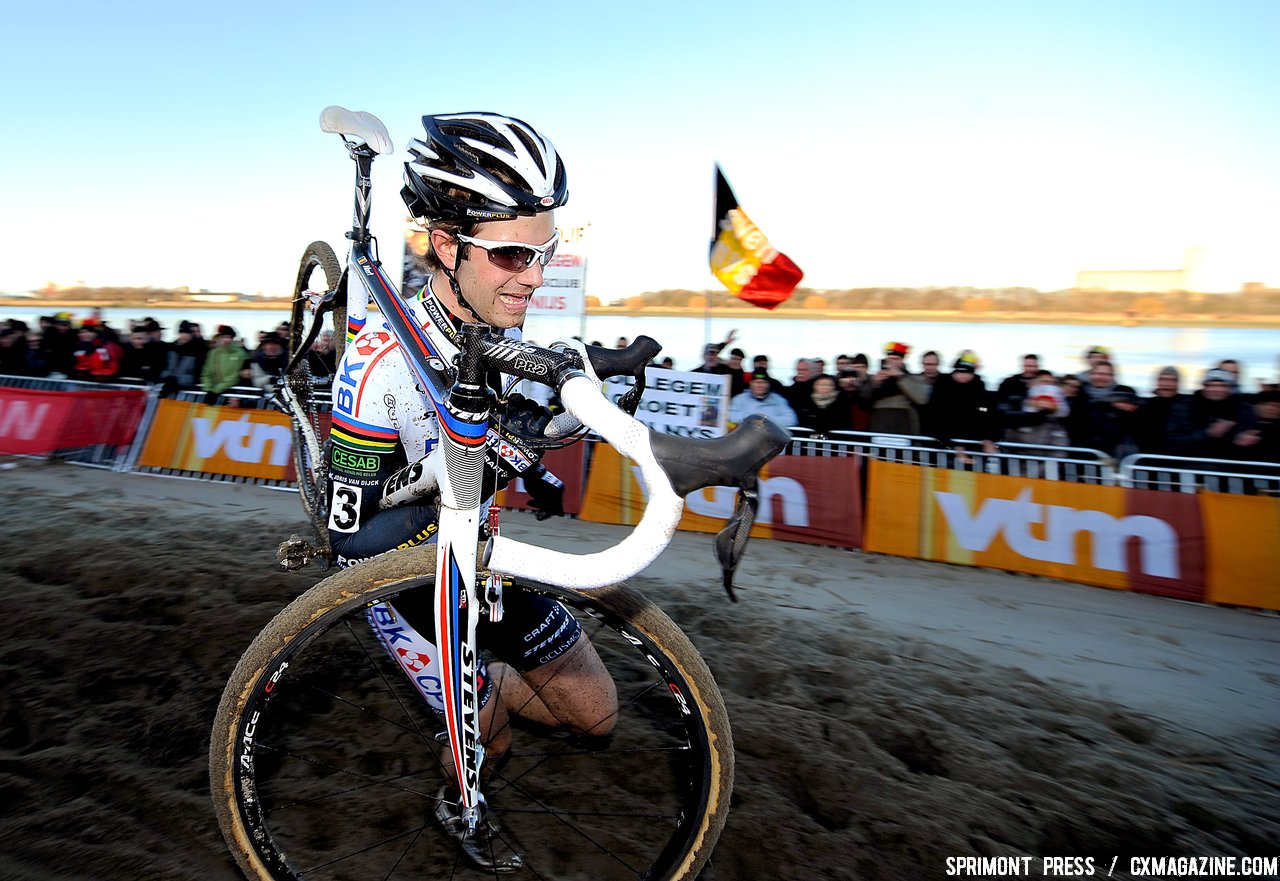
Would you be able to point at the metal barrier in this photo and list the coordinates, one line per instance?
(1069, 464)
(1177, 474)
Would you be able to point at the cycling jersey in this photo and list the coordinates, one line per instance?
(382, 421)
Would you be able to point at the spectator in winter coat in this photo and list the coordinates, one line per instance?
(1206, 425)
(826, 409)
(760, 398)
(960, 406)
(225, 366)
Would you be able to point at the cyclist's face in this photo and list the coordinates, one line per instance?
(499, 297)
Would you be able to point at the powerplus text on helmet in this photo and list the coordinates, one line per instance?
(475, 167)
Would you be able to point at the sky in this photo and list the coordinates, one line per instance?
(911, 143)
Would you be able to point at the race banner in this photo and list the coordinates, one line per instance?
(220, 440)
(811, 499)
(566, 464)
(34, 422)
(563, 291)
(1242, 549)
(678, 402)
(1142, 540)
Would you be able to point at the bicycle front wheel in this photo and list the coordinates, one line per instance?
(324, 765)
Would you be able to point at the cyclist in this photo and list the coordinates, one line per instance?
(484, 186)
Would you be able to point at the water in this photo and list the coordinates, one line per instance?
(1139, 352)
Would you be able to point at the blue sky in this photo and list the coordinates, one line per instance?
(912, 143)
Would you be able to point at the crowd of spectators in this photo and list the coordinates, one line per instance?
(1086, 408)
(92, 350)
(959, 407)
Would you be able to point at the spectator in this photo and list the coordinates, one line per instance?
(36, 364)
(13, 352)
(225, 366)
(322, 359)
(1154, 412)
(184, 360)
(711, 362)
(1092, 356)
(961, 408)
(801, 383)
(930, 364)
(1012, 390)
(1044, 412)
(738, 377)
(58, 347)
(760, 364)
(1111, 423)
(267, 365)
(96, 357)
(144, 360)
(850, 383)
(1232, 366)
(893, 402)
(1261, 440)
(621, 343)
(827, 409)
(1207, 424)
(760, 398)
(1100, 381)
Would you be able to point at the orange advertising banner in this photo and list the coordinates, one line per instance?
(1242, 557)
(1140, 540)
(220, 440)
(811, 499)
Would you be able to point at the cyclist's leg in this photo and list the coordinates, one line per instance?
(552, 674)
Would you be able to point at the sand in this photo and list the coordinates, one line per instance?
(887, 713)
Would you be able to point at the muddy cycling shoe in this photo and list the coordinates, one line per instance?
(485, 847)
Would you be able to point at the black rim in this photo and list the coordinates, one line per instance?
(318, 801)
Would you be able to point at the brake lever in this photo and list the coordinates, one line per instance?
(731, 541)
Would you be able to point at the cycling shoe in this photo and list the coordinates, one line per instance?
(485, 847)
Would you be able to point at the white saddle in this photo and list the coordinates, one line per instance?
(356, 124)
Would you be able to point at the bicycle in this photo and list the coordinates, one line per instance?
(324, 760)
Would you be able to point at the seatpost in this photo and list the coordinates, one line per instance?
(363, 156)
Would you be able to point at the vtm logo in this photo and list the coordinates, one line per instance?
(241, 440)
(1108, 535)
(717, 501)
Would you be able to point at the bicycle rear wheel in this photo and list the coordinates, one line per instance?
(320, 272)
(323, 763)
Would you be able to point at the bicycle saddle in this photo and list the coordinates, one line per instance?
(356, 124)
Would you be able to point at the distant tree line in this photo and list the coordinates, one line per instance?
(978, 300)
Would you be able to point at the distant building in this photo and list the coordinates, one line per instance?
(1149, 281)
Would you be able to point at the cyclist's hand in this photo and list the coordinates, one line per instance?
(524, 417)
(546, 492)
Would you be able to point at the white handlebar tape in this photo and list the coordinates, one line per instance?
(651, 535)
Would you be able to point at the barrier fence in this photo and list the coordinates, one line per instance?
(1203, 530)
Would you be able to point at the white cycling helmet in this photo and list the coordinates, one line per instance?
(474, 167)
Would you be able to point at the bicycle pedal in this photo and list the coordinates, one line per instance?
(293, 555)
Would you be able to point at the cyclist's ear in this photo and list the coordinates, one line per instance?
(446, 248)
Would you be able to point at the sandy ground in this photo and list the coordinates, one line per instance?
(887, 713)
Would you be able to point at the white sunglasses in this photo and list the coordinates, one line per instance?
(514, 256)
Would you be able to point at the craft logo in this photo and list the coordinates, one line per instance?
(23, 420)
(241, 440)
(1013, 519)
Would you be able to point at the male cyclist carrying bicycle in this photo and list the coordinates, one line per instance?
(485, 187)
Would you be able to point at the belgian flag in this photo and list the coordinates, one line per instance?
(743, 259)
